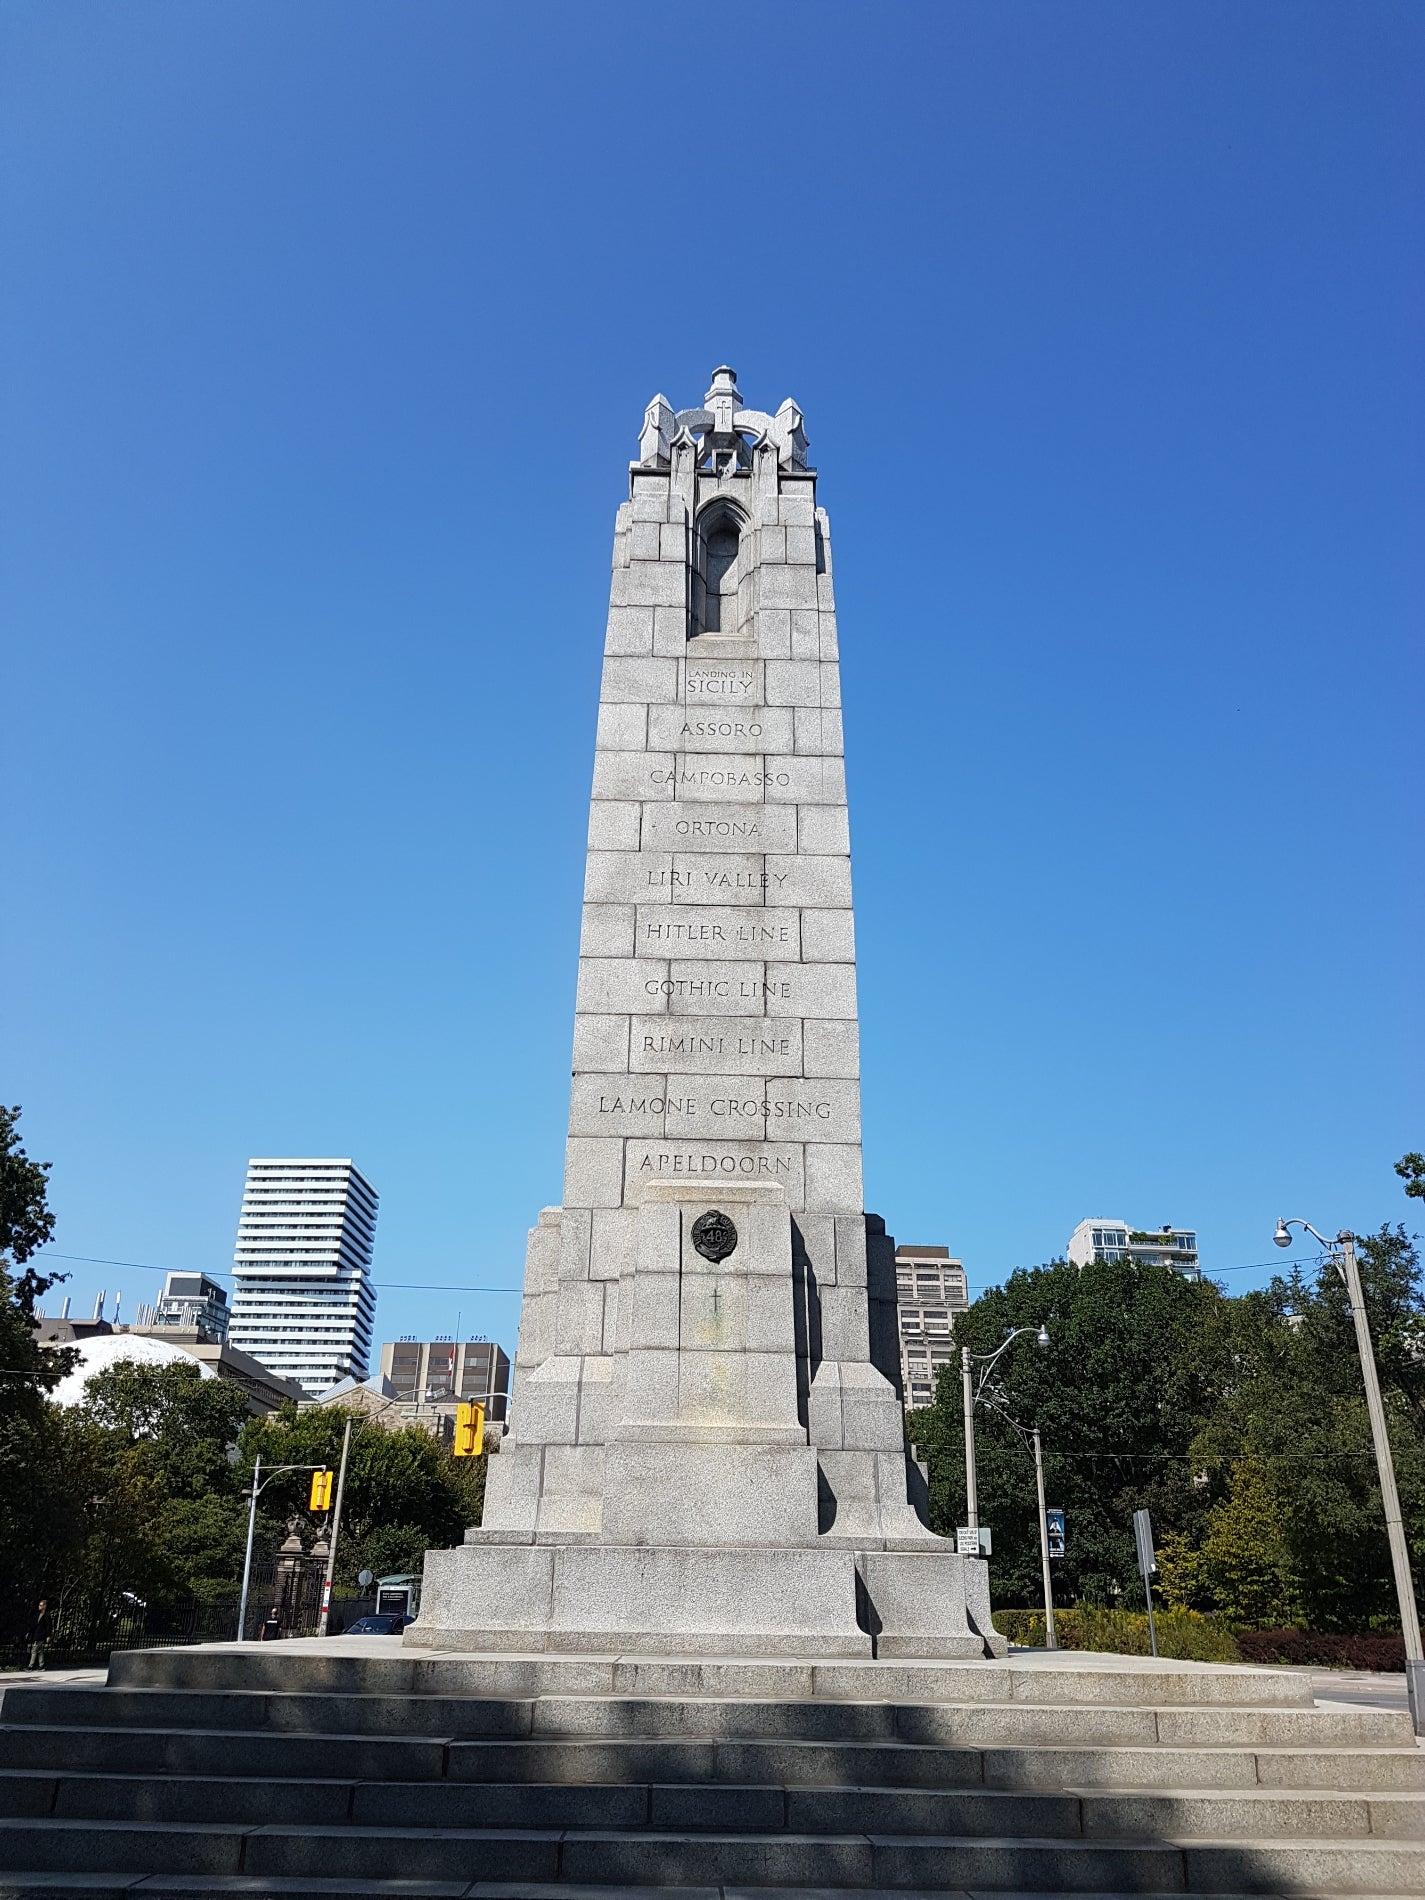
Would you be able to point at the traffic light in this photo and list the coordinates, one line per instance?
(469, 1429)
(321, 1498)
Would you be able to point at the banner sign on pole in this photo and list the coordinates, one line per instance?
(1054, 1524)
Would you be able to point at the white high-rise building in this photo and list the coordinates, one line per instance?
(1100, 1239)
(302, 1297)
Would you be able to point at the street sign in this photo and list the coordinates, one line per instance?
(1054, 1524)
(972, 1541)
(366, 1578)
(1143, 1536)
(1148, 1564)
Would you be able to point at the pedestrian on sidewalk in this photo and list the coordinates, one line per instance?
(39, 1633)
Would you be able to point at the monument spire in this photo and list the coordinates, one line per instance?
(707, 1451)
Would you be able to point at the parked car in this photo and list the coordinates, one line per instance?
(387, 1624)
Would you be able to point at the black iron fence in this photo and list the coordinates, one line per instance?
(284, 1599)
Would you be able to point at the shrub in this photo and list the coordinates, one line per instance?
(1183, 1635)
(1317, 1649)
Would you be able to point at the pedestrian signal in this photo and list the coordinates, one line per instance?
(469, 1429)
(321, 1498)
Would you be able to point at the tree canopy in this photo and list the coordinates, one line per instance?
(1239, 1423)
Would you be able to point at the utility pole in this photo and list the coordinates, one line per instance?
(972, 1502)
(336, 1526)
(1343, 1255)
(1051, 1640)
(1390, 1497)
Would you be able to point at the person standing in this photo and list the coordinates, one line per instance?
(40, 1631)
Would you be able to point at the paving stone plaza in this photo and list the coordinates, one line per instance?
(703, 1642)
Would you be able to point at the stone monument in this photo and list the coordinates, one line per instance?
(706, 1453)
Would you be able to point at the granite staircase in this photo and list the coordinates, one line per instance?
(361, 1769)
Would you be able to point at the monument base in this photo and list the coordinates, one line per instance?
(701, 1600)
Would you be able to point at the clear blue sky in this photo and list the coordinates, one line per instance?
(328, 330)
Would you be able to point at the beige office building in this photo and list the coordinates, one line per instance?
(930, 1290)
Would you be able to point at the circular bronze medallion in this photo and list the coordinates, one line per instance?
(714, 1235)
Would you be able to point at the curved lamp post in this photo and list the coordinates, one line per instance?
(973, 1393)
(259, 1485)
(1342, 1252)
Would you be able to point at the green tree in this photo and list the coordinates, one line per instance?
(1294, 1406)
(405, 1491)
(1411, 1169)
(1135, 1362)
(1243, 1571)
(149, 1455)
(28, 1370)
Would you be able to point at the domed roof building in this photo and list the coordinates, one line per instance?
(101, 1350)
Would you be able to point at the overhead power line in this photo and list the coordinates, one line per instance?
(468, 1286)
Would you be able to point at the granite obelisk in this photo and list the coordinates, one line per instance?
(707, 1454)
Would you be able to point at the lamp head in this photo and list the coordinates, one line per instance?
(1041, 1338)
(1283, 1235)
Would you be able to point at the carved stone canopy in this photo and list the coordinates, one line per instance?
(726, 433)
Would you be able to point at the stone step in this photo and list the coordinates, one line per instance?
(778, 1763)
(387, 1665)
(49, 1886)
(282, 1850)
(445, 1717)
(721, 1807)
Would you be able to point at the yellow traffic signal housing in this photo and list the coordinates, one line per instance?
(321, 1498)
(469, 1429)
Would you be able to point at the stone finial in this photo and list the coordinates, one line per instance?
(724, 399)
(791, 435)
(657, 431)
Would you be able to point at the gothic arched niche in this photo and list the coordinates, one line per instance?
(718, 567)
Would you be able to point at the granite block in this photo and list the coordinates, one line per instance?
(615, 986)
(670, 631)
(593, 1172)
(775, 1163)
(630, 632)
(804, 779)
(831, 1047)
(633, 775)
(814, 989)
(727, 729)
(639, 681)
(833, 1178)
(822, 830)
(606, 930)
(651, 584)
(715, 1045)
(806, 880)
(828, 936)
(713, 827)
(623, 727)
(726, 932)
(615, 826)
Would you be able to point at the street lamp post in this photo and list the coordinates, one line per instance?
(259, 1485)
(1032, 1445)
(1343, 1255)
(972, 1393)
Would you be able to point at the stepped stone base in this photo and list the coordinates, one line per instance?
(361, 1768)
(704, 1601)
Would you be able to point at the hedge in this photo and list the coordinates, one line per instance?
(1183, 1635)
(1313, 1649)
